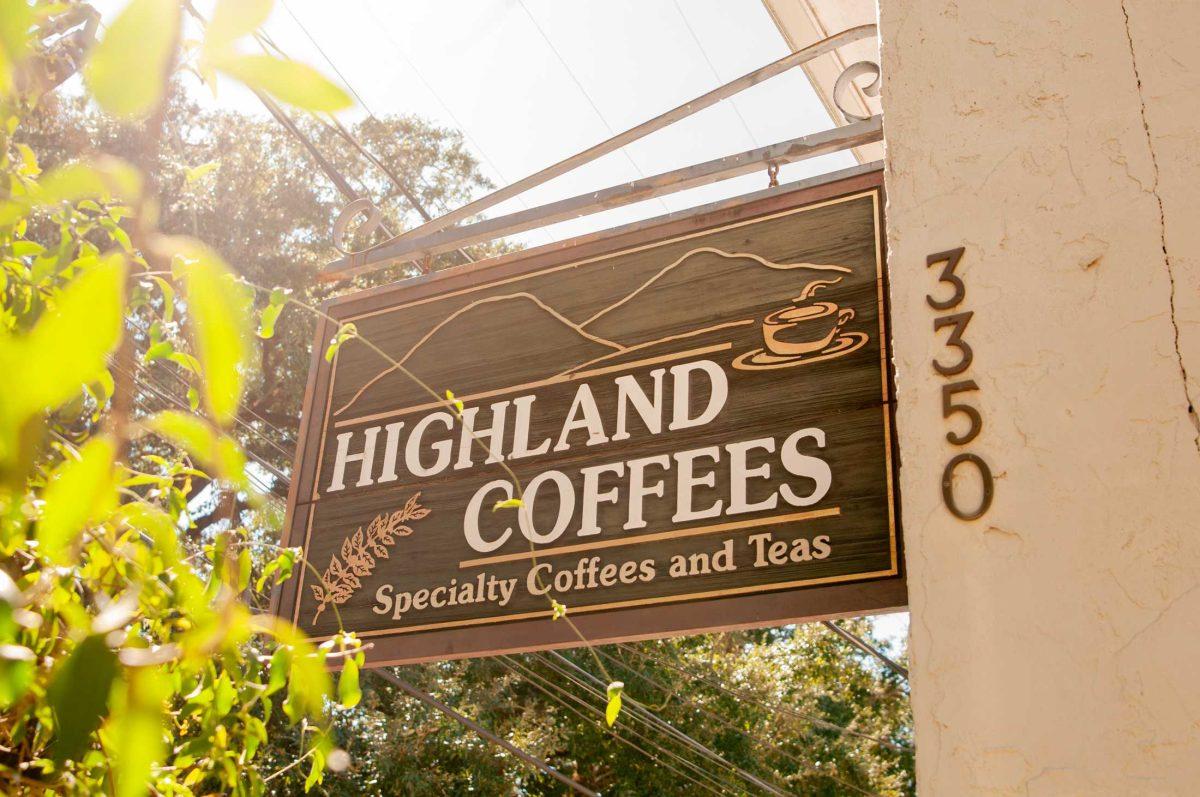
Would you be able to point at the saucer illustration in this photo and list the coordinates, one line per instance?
(762, 359)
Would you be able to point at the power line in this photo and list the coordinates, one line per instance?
(328, 60)
(713, 69)
(778, 709)
(589, 720)
(467, 722)
(866, 647)
(541, 683)
(724, 721)
(283, 433)
(583, 91)
(654, 720)
(436, 96)
(170, 401)
(333, 124)
(167, 404)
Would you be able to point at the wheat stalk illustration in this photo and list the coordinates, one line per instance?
(360, 552)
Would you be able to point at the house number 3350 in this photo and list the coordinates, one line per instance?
(951, 365)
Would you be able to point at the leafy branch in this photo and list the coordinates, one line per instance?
(360, 552)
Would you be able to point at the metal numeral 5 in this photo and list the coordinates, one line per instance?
(949, 408)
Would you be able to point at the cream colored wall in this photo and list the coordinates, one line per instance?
(1055, 642)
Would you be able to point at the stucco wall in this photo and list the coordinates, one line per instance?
(1056, 641)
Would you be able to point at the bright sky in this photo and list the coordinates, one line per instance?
(530, 82)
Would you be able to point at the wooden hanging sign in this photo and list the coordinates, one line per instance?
(698, 412)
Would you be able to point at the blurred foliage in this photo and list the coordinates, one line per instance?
(129, 661)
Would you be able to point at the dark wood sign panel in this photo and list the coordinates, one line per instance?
(699, 413)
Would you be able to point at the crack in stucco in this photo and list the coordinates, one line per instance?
(1162, 230)
(1158, 616)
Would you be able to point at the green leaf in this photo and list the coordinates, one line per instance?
(79, 491)
(78, 696)
(76, 335)
(316, 771)
(345, 332)
(281, 662)
(224, 695)
(16, 16)
(127, 70)
(231, 20)
(105, 178)
(159, 351)
(195, 174)
(245, 568)
(168, 294)
(219, 323)
(508, 503)
(202, 441)
(308, 681)
(17, 662)
(349, 692)
(187, 362)
(135, 732)
(270, 313)
(193, 397)
(15, 678)
(613, 710)
(289, 81)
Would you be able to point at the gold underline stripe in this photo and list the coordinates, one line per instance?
(812, 514)
(554, 380)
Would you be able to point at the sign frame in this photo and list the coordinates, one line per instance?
(773, 606)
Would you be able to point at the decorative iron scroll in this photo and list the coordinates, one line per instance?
(846, 79)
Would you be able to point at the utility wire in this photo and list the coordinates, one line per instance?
(544, 684)
(637, 707)
(338, 128)
(866, 647)
(140, 400)
(778, 709)
(284, 434)
(382, 27)
(467, 722)
(712, 68)
(328, 60)
(724, 721)
(171, 402)
(657, 761)
(584, 91)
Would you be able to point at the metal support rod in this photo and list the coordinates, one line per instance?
(810, 146)
(467, 722)
(801, 56)
(866, 647)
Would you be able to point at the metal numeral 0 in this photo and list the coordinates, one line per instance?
(985, 476)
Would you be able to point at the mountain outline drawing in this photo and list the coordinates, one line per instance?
(561, 346)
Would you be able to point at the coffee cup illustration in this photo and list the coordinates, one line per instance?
(807, 331)
(794, 331)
